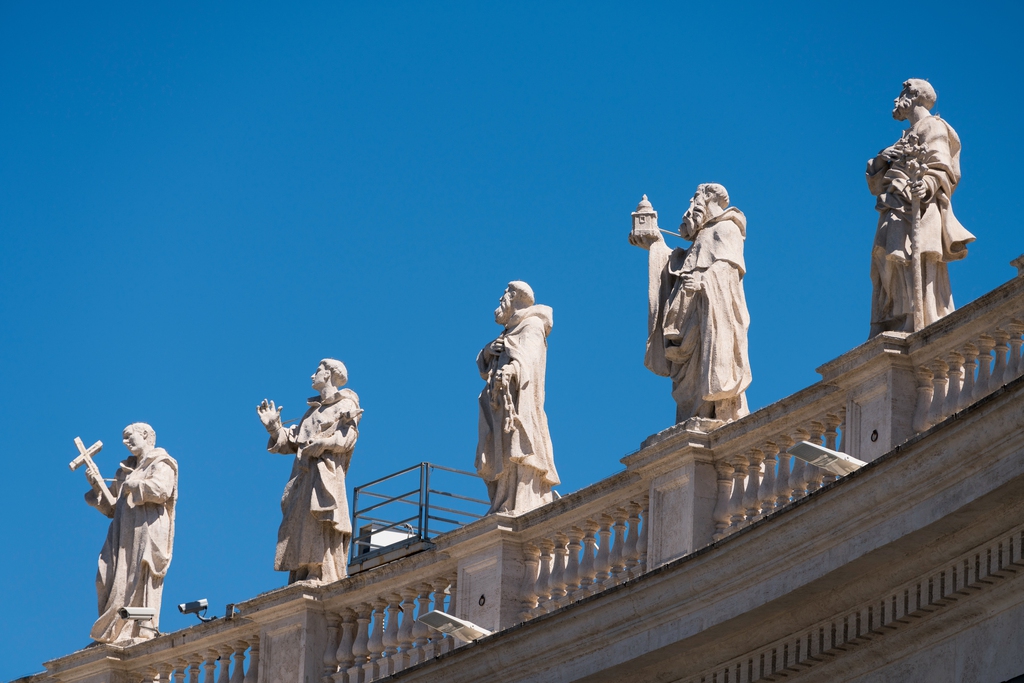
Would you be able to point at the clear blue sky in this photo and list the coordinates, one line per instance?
(198, 202)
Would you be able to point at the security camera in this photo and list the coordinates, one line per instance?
(137, 613)
(195, 607)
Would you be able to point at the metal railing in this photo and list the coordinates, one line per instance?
(404, 510)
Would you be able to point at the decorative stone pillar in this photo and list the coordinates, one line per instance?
(801, 471)
(390, 639)
(832, 422)
(645, 534)
(345, 654)
(547, 547)
(193, 668)
(722, 515)
(815, 475)
(375, 644)
(955, 363)
(209, 666)
(252, 675)
(528, 588)
(783, 488)
(940, 380)
(752, 493)
(767, 489)
(603, 560)
(970, 367)
(737, 513)
(983, 386)
(1013, 364)
(618, 557)
(331, 649)
(572, 568)
(238, 670)
(924, 398)
(588, 567)
(360, 646)
(405, 635)
(1002, 338)
(224, 674)
(558, 567)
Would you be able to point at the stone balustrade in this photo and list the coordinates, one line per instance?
(689, 486)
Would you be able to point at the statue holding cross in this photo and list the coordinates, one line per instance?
(140, 504)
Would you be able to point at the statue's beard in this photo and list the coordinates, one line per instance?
(902, 109)
(502, 314)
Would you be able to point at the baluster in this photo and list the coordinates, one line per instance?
(331, 651)
(815, 475)
(832, 422)
(955, 362)
(558, 571)
(1013, 367)
(238, 670)
(252, 675)
(801, 471)
(752, 494)
(193, 669)
(209, 666)
(645, 534)
(390, 639)
(983, 386)
(924, 398)
(767, 495)
(572, 569)
(722, 513)
(224, 674)
(547, 547)
(970, 368)
(588, 567)
(152, 675)
(405, 636)
(841, 446)
(739, 474)
(345, 654)
(1002, 338)
(528, 586)
(439, 642)
(375, 644)
(940, 380)
(420, 631)
(783, 488)
(179, 671)
(618, 558)
(165, 670)
(632, 551)
(603, 560)
(361, 645)
(453, 591)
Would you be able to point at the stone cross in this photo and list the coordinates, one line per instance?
(85, 458)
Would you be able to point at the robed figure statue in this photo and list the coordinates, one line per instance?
(134, 560)
(917, 235)
(514, 455)
(697, 312)
(312, 541)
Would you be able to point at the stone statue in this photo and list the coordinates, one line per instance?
(312, 542)
(134, 559)
(917, 232)
(697, 315)
(514, 454)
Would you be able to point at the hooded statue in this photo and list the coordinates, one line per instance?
(514, 455)
(697, 312)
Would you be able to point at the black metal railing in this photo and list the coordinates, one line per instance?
(410, 507)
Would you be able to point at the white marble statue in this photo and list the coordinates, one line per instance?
(697, 314)
(312, 542)
(917, 234)
(135, 557)
(514, 454)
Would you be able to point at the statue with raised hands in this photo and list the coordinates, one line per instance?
(312, 542)
(140, 503)
(514, 455)
(917, 235)
(697, 312)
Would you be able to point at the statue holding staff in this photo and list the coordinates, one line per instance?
(917, 235)
(140, 503)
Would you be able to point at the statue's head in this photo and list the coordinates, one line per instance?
(138, 437)
(710, 200)
(518, 295)
(916, 93)
(330, 372)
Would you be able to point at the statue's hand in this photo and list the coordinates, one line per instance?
(692, 282)
(919, 190)
(314, 449)
(270, 415)
(497, 346)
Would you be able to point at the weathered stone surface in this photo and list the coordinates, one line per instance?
(697, 312)
(913, 180)
(514, 455)
(137, 553)
(312, 542)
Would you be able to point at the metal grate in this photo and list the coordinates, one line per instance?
(401, 512)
